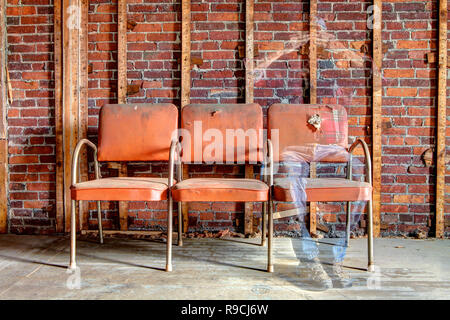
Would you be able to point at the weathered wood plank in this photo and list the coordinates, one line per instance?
(3, 84)
(313, 94)
(123, 205)
(3, 127)
(376, 116)
(249, 97)
(249, 51)
(122, 92)
(74, 52)
(3, 186)
(58, 116)
(122, 51)
(441, 119)
(248, 212)
(185, 84)
(184, 205)
(83, 106)
(312, 205)
(185, 52)
(313, 51)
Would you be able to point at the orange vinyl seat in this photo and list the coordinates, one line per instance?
(121, 189)
(218, 189)
(324, 189)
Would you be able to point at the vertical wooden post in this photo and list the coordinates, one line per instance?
(441, 119)
(185, 52)
(249, 51)
(58, 116)
(122, 52)
(3, 128)
(249, 97)
(312, 95)
(376, 116)
(75, 83)
(122, 93)
(185, 84)
(83, 106)
(313, 51)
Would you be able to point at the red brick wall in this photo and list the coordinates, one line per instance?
(31, 116)
(281, 29)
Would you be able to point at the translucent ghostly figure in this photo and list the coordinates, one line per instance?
(296, 163)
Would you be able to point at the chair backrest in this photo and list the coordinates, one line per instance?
(136, 132)
(325, 142)
(225, 133)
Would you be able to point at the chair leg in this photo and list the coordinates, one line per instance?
(371, 265)
(348, 224)
(269, 246)
(264, 225)
(100, 226)
(73, 236)
(169, 234)
(180, 225)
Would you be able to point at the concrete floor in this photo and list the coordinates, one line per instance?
(34, 267)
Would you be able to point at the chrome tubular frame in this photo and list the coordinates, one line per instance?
(73, 224)
(368, 164)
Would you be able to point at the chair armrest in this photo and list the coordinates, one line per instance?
(76, 155)
(174, 157)
(367, 160)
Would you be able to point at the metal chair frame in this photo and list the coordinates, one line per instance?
(368, 175)
(73, 230)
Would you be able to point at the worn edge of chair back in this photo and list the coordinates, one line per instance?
(136, 132)
(314, 132)
(239, 127)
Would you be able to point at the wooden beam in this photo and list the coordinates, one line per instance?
(376, 116)
(185, 84)
(249, 97)
(312, 95)
(58, 116)
(122, 92)
(249, 51)
(83, 107)
(313, 51)
(74, 33)
(3, 126)
(123, 205)
(441, 120)
(3, 185)
(3, 68)
(122, 52)
(185, 52)
(312, 205)
(248, 213)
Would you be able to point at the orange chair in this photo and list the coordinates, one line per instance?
(218, 134)
(134, 132)
(318, 133)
